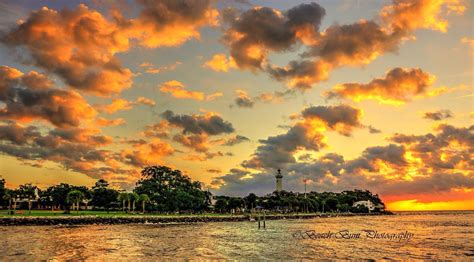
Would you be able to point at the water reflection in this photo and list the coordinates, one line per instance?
(447, 235)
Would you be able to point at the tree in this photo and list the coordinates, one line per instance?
(331, 203)
(143, 198)
(28, 192)
(58, 195)
(123, 197)
(102, 196)
(221, 205)
(251, 200)
(2, 190)
(134, 198)
(170, 190)
(7, 197)
(75, 197)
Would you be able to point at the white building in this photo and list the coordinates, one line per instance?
(367, 203)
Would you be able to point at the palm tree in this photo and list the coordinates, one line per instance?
(134, 198)
(29, 192)
(123, 197)
(143, 198)
(75, 197)
(8, 196)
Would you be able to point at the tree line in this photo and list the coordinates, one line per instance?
(163, 189)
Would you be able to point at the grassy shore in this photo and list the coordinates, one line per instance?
(49, 213)
(102, 217)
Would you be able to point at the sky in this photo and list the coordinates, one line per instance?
(374, 95)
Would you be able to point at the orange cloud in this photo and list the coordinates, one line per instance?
(30, 96)
(145, 101)
(78, 45)
(220, 63)
(118, 104)
(214, 96)
(420, 14)
(110, 122)
(397, 87)
(255, 33)
(147, 153)
(168, 23)
(177, 90)
(151, 69)
(197, 142)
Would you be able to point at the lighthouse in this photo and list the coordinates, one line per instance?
(279, 184)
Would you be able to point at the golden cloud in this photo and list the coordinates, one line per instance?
(398, 86)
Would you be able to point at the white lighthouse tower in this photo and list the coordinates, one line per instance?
(279, 184)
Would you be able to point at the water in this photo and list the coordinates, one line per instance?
(436, 235)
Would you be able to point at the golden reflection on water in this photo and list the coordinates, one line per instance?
(446, 235)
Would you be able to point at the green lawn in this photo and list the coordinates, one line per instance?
(44, 213)
(36, 213)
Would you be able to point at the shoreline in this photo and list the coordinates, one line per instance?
(151, 219)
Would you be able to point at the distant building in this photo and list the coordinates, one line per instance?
(369, 205)
(279, 183)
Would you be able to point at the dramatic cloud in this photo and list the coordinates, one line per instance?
(342, 118)
(73, 148)
(306, 134)
(120, 104)
(253, 34)
(80, 45)
(17, 134)
(149, 153)
(243, 99)
(438, 115)
(169, 22)
(100, 121)
(235, 140)
(30, 96)
(145, 101)
(406, 16)
(209, 123)
(196, 142)
(415, 165)
(177, 90)
(151, 69)
(397, 87)
(220, 63)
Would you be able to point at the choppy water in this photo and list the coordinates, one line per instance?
(436, 235)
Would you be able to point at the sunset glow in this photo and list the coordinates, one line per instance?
(372, 95)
